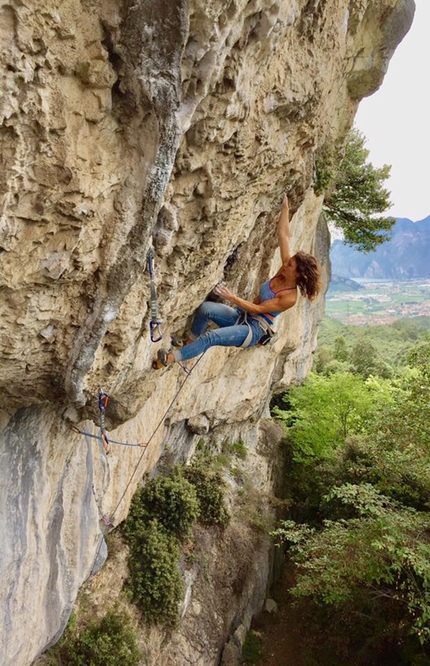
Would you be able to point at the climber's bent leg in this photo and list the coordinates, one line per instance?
(222, 315)
(229, 336)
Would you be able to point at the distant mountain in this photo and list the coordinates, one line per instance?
(339, 284)
(405, 256)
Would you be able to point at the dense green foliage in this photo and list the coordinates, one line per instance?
(172, 500)
(371, 350)
(209, 489)
(155, 582)
(108, 642)
(162, 514)
(359, 487)
(357, 195)
(326, 410)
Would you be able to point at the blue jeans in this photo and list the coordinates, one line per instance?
(229, 333)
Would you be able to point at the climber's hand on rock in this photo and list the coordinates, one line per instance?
(285, 201)
(222, 291)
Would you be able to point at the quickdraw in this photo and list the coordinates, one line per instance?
(103, 403)
(103, 438)
(154, 324)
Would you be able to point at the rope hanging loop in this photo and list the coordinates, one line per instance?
(103, 403)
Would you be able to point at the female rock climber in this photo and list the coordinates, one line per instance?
(250, 323)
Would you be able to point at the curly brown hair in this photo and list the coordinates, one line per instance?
(308, 275)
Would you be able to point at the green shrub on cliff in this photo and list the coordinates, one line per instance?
(209, 488)
(172, 500)
(110, 641)
(155, 582)
(162, 515)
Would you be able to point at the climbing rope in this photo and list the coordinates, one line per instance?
(103, 516)
(103, 403)
(174, 399)
(154, 324)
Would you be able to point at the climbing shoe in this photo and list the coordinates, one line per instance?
(161, 360)
(178, 342)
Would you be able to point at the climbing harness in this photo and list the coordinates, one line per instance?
(154, 324)
(243, 320)
(269, 332)
(265, 327)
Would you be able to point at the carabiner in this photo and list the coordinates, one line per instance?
(103, 400)
(155, 331)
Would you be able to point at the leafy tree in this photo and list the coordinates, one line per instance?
(380, 549)
(406, 422)
(359, 518)
(340, 349)
(323, 356)
(325, 411)
(364, 358)
(358, 196)
(335, 367)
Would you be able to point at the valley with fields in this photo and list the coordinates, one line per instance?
(373, 302)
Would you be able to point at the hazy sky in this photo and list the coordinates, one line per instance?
(396, 121)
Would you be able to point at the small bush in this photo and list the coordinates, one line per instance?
(252, 649)
(171, 500)
(155, 582)
(203, 449)
(237, 449)
(161, 514)
(109, 642)
(209, 487)
(164, 511)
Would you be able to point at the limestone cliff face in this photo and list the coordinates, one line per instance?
(125, 125)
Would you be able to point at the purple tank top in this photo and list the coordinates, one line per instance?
(266, 294)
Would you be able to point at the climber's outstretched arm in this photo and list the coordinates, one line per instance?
(284, 230)
(277, 304)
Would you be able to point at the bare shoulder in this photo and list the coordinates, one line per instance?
(287, 299)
